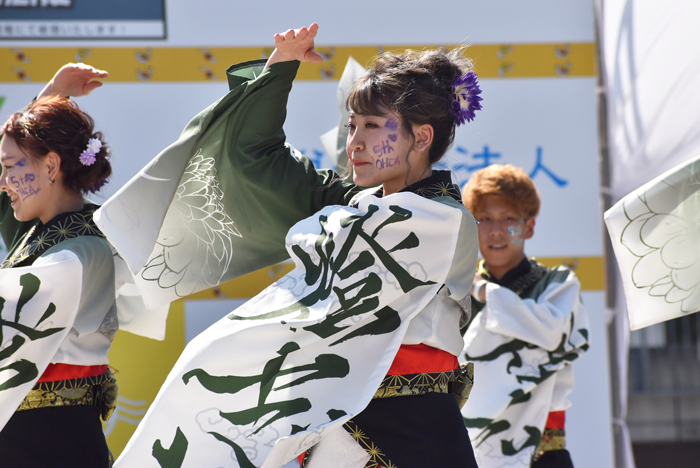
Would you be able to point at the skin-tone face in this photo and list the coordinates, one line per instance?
(502, 232)
(379, 150)
(23, 179)
(26, 181)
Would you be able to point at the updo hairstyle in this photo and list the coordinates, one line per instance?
(417, 86)
(57, 124)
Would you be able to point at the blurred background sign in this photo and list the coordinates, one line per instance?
(82, 19)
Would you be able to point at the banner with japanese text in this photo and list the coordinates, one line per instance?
(37, 310)
(269, 380)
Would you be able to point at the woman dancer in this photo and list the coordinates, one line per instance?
(354, 353)
(57, 283)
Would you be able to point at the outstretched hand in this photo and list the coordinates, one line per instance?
(295, 44)
(74, 79)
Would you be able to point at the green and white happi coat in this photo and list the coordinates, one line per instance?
(522, 344)
(63, 294)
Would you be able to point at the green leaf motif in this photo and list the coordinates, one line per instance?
(478, 423)
(30, 286)
(492, 429)
(26, 372)
(243, 461)
(509, 449)
(175, 455)
(335, 414)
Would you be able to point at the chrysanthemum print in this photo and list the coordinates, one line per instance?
(199, 245)
(655, 232)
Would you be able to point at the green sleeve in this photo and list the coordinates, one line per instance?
(283, 183)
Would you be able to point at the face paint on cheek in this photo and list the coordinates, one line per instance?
(24, 186)
(22, 162)
(516, 235)
(392, 124)
(383, 163)
(27, 191)
(384, 149)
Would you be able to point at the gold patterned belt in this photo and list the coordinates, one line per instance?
(459, 382)
(552, 439)
(99, 390)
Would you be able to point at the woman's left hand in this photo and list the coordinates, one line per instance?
(74, 79)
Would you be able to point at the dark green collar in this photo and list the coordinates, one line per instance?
(439, 184)
(518, 279)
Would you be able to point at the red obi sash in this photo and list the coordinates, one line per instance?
(59, 371)
(420, 359)
(556, 420)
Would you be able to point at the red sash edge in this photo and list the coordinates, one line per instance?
(556, 420)
(60, 371)
(421, 358)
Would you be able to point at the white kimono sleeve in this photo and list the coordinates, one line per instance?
(541, 322)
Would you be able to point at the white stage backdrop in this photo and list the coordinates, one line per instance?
(652, 64)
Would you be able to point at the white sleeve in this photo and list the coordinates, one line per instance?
(542, 322)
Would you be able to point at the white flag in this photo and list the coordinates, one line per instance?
(655, 232)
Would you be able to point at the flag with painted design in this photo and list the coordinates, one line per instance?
(655, 233)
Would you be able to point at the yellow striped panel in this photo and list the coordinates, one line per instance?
(590, 270)
(192, 64)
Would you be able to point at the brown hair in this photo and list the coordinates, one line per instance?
(417, 86)
(509, 183)
(57, 124)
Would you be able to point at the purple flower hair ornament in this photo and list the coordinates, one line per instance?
(465, 98)
(89, 156)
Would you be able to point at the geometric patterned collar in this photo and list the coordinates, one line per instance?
(42, 237)
(520, 278)
(438, 184)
